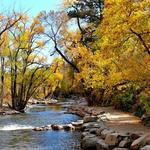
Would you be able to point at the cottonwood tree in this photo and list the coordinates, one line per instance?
(55, 26)
(54, 78)
(27, 65)
(121, 58)
(6, 22)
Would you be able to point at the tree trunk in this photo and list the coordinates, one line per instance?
(2, 81)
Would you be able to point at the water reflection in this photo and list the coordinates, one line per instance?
(40, 108)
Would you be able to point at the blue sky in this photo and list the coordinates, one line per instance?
(32, 6)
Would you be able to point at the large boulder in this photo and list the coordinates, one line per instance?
(101, 145)
(137, 143)
(105, 132)
(99, 130)
(134, 136)
(84, 134)
(89, 142)
(112, 139)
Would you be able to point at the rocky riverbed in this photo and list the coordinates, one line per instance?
(98, 134)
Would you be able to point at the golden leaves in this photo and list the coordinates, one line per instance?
(40, 44)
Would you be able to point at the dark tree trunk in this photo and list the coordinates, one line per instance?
(2, 81)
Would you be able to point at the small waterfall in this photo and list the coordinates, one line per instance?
(12, 127)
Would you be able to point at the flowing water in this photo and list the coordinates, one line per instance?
(16, 130)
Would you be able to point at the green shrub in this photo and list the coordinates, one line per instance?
(124, 101)
(139, 111)
(145, 102)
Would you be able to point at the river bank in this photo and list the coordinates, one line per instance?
(8, 111)
(105, 128)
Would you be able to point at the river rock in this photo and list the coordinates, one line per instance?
(48, 127)
(125, 143)
(134, 136)
(146, 141)
(85, 134)
(93, 130)
(137, 143)
(101, 145)
(78, 123)
(56, 127)
(92, 125)
(96, 113)
(105, 132)
(38, 129)
(89, 142)
(147, 147)
(87, 119)
(99, 130)
(68, 127)
(51, 101)
(112, 139)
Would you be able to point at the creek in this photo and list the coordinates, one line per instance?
(16, 130)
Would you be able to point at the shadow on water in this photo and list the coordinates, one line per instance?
(16, 133)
